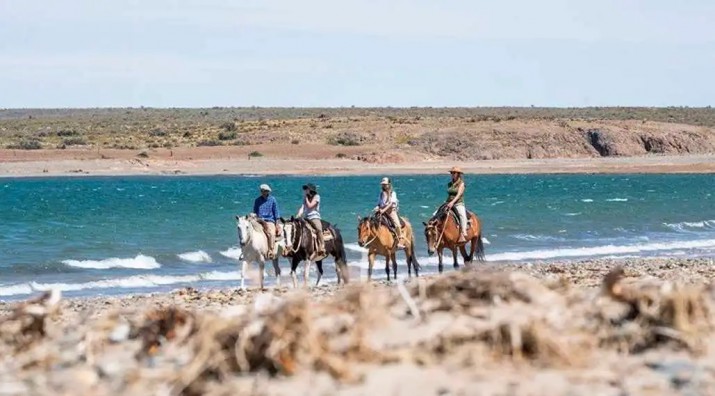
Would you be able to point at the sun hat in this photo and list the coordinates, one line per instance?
(265, 187)
(385, 180)
(456, 169)
(310, 187)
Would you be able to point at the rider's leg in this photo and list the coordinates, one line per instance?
(398, 227)
(271, 227)
(462, 212)
(318, 225)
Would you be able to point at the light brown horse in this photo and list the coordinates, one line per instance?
(442, 231)
(378, 239)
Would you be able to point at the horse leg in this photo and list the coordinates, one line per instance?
(394, 265)
(387, 266)
(262, 268)
(440, 267)
(409, 262)
(306, 273)
(465, 257)
(244, 268)
(454, 258)
(277, 268)
(319, 264)
(293, 266)
(370, 264)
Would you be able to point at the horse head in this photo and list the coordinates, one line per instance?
(432, 235)
(364, 231)
(243, 228)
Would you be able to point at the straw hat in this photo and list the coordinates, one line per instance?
(265, 187)
(385, 180)
(456, 169)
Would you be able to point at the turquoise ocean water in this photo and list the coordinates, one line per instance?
(109, 235)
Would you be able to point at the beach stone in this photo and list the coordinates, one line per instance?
(120, 333)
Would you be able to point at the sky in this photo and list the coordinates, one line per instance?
(328, 53)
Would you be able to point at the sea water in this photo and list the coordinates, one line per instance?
(110, 235)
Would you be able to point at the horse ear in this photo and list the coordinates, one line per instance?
(238, 217)
(425, 224)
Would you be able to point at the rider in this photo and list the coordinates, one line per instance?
(311, 210)
(266, 208)
(455, 199)
(388, 204)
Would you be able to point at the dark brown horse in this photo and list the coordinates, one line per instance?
(377, 238)
(301, 246)
(442, 231)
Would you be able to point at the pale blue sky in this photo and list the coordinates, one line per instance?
(191, 53)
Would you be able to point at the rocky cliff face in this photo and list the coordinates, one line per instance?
(566, 140)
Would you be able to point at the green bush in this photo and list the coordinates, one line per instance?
(67, 133)
(226, 135)
(143, 154)
(75, 141)
(209, 143)
(157, 132)
(255, 154)
(340, 155)
(228, 126)
(26, 144)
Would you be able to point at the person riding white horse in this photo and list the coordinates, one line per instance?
(255, 248)
(265, 207)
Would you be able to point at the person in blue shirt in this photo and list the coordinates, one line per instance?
(266, 208)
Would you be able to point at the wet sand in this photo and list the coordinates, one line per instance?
(221, 161)
(543, 328)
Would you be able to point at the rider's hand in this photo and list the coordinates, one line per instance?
(449, 206)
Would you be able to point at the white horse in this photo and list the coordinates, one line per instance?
(254, 248)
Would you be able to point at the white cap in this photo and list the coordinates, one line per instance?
(385, 180)
(265, 187)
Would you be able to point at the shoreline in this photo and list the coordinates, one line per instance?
(162, 165)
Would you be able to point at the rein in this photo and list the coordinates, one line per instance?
(375, 235)
(294, 249)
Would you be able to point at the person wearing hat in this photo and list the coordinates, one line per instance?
(387, 204)
(266, 208)
(310, 209)
(455, 199)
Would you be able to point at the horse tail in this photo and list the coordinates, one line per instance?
(412, 258)
(480, 248)
(340, 256)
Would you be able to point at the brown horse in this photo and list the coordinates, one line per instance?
(377, 238)
(442, 231)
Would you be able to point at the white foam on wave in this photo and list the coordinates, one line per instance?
(130, 282)
(232, 252)
(12, 290)
(587, 200)
(139, 262)
(617, 200)
(530, 237)
(572, 214)
(601, 250)
(355, 248)
(691, 225)
(196, 257)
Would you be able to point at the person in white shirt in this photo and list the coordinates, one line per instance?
(387, 204)
(310, 209)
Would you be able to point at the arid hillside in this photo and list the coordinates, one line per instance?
(372, 135)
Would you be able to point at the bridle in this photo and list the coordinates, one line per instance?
(240, 234)
(374, 234)
(293, 245)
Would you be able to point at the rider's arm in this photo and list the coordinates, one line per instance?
(300, 211)
(311, 203)
(255, 207)
(460, 192)
(276, 212)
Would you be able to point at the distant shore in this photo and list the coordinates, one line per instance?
(225, 161)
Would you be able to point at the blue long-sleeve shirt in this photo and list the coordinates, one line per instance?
(266, 209)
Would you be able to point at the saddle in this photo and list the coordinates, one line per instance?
(442, 212)
(387, 222)
(327, 234)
